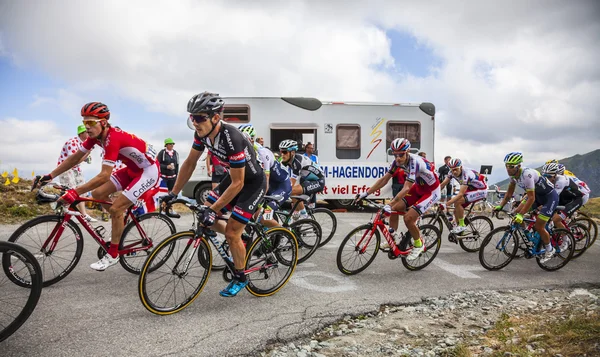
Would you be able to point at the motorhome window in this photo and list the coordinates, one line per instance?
(410, 131)
(236, 114)
(347, 137)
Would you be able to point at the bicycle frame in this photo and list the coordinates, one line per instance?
(378, 223)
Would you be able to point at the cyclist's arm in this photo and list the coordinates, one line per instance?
(97, 181)
(186, 170)
(402, 193)
(524, 207)
(267, 175)
(68, 164)
(461, 193)
(237, 175)
(445, 182)
(382, 181)
(208, 168)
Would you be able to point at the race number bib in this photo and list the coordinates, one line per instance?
(268, 214)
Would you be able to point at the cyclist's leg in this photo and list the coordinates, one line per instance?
(283, 189)
(548, 204)
(311, 188)
(214, 195)
(395, 219)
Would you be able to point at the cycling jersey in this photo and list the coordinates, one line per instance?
(271, 166)
(120, 145)
(567, 189)
(531, 180)
(471, 178)
(231, 148)
(421, 172)
(583, 187)
(303, 167)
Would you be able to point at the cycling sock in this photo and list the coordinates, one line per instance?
(303, 211)
(461, 222)
(548, 247)
(113, 250)
(239, 275)
(419, 243)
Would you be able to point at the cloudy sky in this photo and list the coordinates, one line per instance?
(522, 75)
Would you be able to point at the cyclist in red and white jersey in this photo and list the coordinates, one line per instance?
(140, 174)
(472, 189)
(421, 190)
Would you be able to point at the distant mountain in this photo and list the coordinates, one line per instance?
(586, 167)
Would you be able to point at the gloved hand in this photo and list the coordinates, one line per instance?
(69, 197)
(498, 208)
(519, 218)
(208, 217)
(41, 181)
(443, 206)
(387, 209)
(360, 196)
(168, 197)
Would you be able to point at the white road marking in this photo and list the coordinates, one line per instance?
(339, 284)
(462, 271)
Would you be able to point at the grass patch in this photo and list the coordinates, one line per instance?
(460, 350)
(592, 207)
(17, 203)
(548, 333)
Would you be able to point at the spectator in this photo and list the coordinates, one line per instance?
(169, 163)
(422, 154)
(261, 141)
(443, 171)
(309, 150)
(215, 168)
(74, 177)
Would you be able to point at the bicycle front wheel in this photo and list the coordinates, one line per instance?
(271, 261)
(582, 238)
(174, 273)
(432, 239)
(149, 230)
(59, 262)
(498, 248)
(478, 227)
(18, 302)
(564, 244)
(591, 225)
(433, 219)
(327, 221)
(358, 249)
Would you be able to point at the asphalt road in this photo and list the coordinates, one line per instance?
(99, 314)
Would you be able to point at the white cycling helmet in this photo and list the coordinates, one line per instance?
(289, 145)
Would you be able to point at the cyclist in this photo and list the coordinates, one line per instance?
(569, 194)
(583, 187)
(140, 174)
(239, 191)
(538, 190)
(306, 176)
(554, 161)
(277, 177)
(472, 189)
(420, 191)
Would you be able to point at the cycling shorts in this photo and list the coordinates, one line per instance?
(422, 197)
(282, 189)
(245, 203)
(547, 204)
(135, 183)
(474, 195)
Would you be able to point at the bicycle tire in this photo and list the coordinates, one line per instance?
(34, 285)
(132, 262)
(327, 234)
(340, 254)
(509, 253)
(430, 218)
(581, 234)
(591, 225)
(476, 233)
(168, 247)
(304, 230)
(18, 236)
(430, 244)
(555, 244)
(274, 250)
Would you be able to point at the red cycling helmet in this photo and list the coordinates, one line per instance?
(95, 109)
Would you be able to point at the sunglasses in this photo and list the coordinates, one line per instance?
(199, 118)
(91, 122)
(548, 175)
(400, 155)
(511, 166)
(283, 152)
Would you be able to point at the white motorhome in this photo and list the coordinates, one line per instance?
(350, 139)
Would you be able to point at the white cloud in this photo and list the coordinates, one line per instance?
(514, 76)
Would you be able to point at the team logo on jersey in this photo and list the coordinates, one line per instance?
(237, 157)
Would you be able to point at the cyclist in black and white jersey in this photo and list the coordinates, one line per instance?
(307, 178)
(569, 193)
(239, 191)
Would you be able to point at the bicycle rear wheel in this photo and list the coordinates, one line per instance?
(358, 249)
(433, 219)
(150, 230)
(432, 239)
(308, 233)
(582, 238)
(591, 225)
(18, 302)
(498, 248)
(561, 257)
(327, 221)
(270, 262)
(174, 273)
(56, 265)
(478, 227)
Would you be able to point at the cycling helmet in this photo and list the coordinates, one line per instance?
(561, 169)
(551, 168)
(513, 158)
(248, 129)
(553, 161)
(400, 144)
(289, 145)
(95, 109)
(454, 163)
(205, 103)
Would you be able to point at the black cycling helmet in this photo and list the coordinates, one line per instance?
(205, 102)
